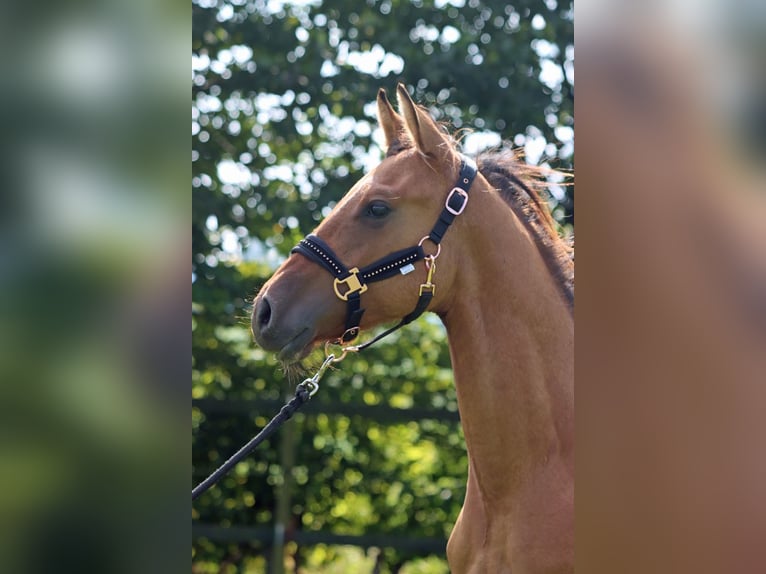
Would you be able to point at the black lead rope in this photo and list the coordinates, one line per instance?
(303, 393)
(301, 396)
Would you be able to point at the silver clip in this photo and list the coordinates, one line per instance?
(312, 384)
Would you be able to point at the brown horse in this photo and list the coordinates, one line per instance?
(504, 292)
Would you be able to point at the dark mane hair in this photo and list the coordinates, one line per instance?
(519, 184)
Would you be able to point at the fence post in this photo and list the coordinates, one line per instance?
(287, 443)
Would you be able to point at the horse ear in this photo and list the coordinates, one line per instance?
(426, 135)
(390, 122)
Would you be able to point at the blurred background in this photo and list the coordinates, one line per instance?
(671, 287)
(94, 283)
(371, 477)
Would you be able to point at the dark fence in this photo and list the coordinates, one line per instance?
(380, 413)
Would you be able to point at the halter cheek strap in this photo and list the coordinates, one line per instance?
(349, 284)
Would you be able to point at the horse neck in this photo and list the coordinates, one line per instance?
(511, 338)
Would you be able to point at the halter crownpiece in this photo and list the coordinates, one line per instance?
(349, 284)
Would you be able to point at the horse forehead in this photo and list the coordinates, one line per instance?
(394, 178)
(398, 176)
(360, 187)
(385, 177)
(399, 168)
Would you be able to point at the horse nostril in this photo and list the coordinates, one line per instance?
(263, 313)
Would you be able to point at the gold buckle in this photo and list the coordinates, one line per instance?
(352, 282)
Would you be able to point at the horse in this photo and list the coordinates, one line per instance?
(504, 291)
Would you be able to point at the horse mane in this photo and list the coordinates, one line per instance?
(520, 184)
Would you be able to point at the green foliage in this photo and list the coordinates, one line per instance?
(283, 124)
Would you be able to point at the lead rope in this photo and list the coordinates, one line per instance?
(303, 392)
(309, 387)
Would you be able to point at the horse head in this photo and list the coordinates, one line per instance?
(391, 209)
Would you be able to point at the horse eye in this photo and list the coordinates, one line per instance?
(378, 209)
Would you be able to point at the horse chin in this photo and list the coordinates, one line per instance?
(297, 348)
(294, 364)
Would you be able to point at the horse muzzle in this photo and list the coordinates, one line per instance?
(275, 331)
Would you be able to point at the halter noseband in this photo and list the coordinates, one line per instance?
(349, 284)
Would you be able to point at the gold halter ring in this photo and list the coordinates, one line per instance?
(438, 248)
(344, 350)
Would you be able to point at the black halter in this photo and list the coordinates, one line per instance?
(349, 284)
